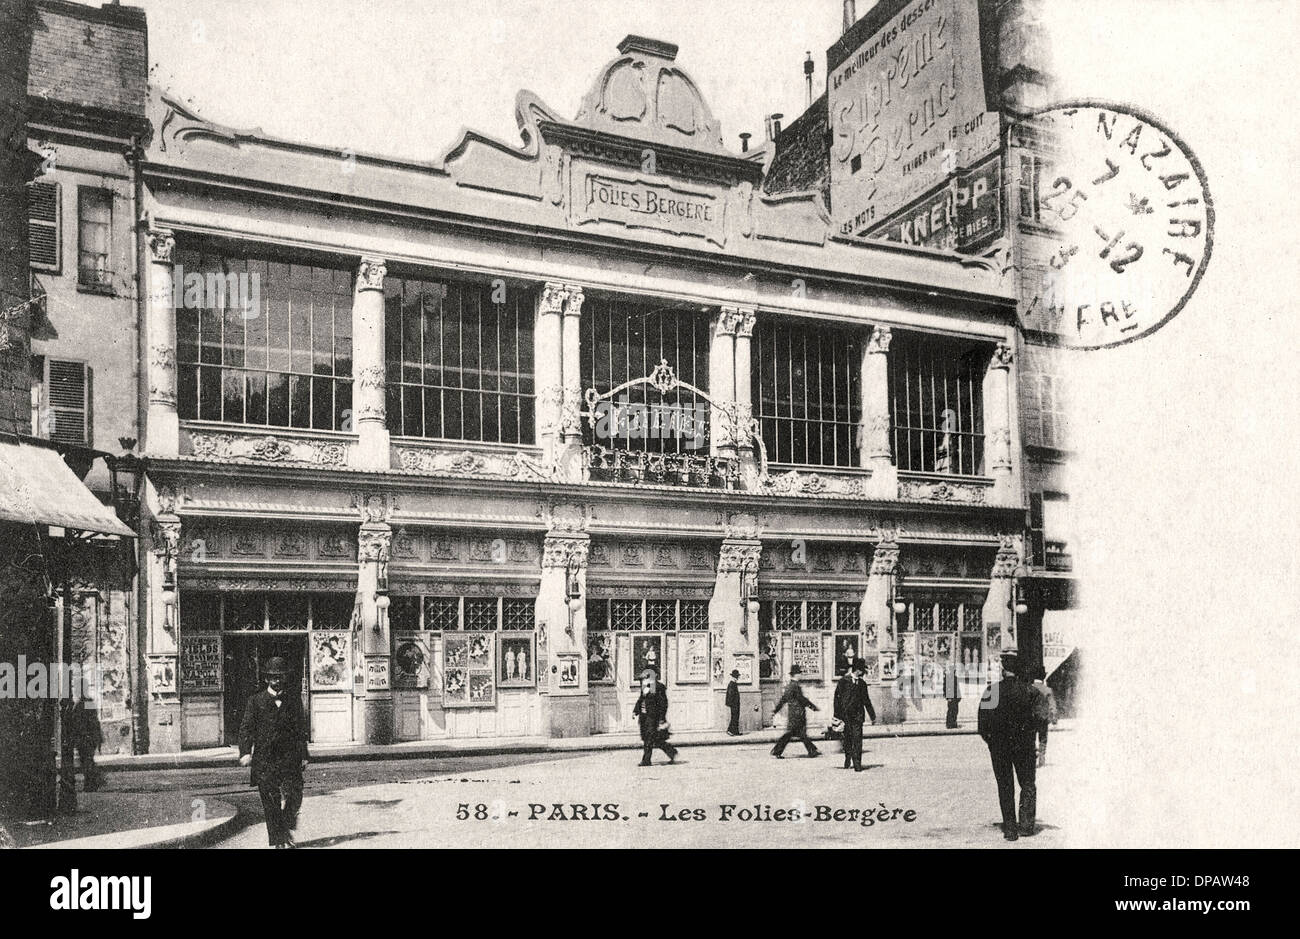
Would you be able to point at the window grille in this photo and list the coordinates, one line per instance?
(972, 617)
(948, 616)
(922, 618)
(442, 613)
(787, 614)
(937, 404)
(518, 613)
(626, 614)
(819, 615)
(695, 614)
(661, 614)
(481, 613)
(848, 615)
(404, 613)
(597, 614)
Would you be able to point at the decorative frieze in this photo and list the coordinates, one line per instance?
(268, 449)
(512, 465)
(795, 483)
(926, 490)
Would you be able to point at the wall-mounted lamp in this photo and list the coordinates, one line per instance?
(572, 595)
(382, 600)
(1017, 603)
(126, 477)
(897, 605)
(168, 592)
(749, 603)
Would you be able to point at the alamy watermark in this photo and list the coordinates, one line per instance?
(38, 680)
(629, 420)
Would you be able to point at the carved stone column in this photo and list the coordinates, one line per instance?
(162, 629)
(548, 365)
(997, 422)
(744, 416)
(722, 383)
(374, 542)
(874, 437)
(564, 549)
(1000, 627)
(571, 408)
(162, 432)
(734, 630)
(876, 610)
(369, 384)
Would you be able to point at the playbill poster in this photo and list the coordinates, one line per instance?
(522, 372)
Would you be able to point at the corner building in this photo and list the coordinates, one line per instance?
(470, 442)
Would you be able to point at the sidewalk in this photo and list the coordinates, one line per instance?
(120, 820)
(477, 746)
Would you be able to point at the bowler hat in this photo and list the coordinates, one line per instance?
(735, 673)
(649, 672)
(860, 665)
(1010, 660)
(275, 666)
(796, 670)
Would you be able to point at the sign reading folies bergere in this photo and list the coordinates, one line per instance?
(636, 203)
(907, 110)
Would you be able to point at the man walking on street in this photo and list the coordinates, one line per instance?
(652, 716)
(796, 727)
(1007, 722)
(1046, 713)
(853, 707)
(273, 739)
(952, 691)
(733, 704)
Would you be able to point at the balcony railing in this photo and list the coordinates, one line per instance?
(668, 469)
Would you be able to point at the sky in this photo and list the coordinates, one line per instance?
(1184, 490)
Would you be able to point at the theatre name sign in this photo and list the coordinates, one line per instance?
(636, 203)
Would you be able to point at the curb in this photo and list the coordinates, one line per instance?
(190, 839)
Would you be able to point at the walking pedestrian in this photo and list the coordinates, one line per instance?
(952, 691)
(87, 737)
(852, 708)
(652, 716)
(1007, 723)
(733, 704)
(796, 727)
(273, 739)
(1046, 714)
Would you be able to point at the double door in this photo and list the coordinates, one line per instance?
(246, 655)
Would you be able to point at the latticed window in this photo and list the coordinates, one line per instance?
(787, 614)
(807, 391)
(922, 618)
(480, 613)
(598, 614)
(695, 614)
(518, 613)
(623, 341)
(819, 615)
(460, 360)
(948, 616)
(661, 614)
(442, 613)
(626, 614)
(263, 342)
(937, 404)
(848, 615)
(972, 617)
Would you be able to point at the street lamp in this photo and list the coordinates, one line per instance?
(572, 594)
(126, 476)
(382, 600)
(897, 605)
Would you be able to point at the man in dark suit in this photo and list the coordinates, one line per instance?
(273, 739)
(952, 691)
(652, 716)
(796, 727)
(733, 704)
(1007, 724)
(853, 707)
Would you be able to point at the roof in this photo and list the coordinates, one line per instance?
(38, 488)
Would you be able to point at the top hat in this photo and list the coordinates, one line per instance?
(735, 673)
(275, 666)
(859, 665)
(795, 670)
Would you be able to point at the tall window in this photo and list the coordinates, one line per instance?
(460, 366)
(937, 404)
(94, 238)
(807, 389)
(263, 342)
(622, 341)
(1043, 398)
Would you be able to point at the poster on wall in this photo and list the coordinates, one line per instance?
(848, 648)
(692, 658)
(745, 665)
(517, 661)
(888, 666)
(869, 635)
(378, 675)
(200, 663)
(647, 652)
(467, 674)
(601, 658)
(331, 661)
(995, 638)
(569, 666)
(411, 661)
(873, 666)
(769, 656)
(162, 674)
(806, 652)
(971, 653)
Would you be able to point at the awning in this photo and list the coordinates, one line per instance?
(1062, 630)
(38, 488)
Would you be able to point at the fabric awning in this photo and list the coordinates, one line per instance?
(38, 488)
(1062, 630)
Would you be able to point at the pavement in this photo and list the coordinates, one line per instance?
(912, 767)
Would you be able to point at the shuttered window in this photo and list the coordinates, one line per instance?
(61, 400)
(43, 226)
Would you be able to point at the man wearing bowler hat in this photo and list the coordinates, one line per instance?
(652, 715)
(853, 707)
(273, 739)
(796, 724)
(733, 703)
(1007, 722)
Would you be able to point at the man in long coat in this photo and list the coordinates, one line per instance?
(733, 704)
(796, 727)
(1007, 722)
(652, 716)
(853, 707)
(273, 739)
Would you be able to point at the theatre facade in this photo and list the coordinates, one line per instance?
(471, 442)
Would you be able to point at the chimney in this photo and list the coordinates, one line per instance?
(808, 69)
(774, 126)
(850, 15)
(744, 141)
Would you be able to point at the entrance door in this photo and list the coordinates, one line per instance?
(246, 654)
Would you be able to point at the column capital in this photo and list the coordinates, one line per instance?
(745, 319)
(884, 558)
(737, 556)
(166, 535)
(1003, 356)
(1007, 559)
(561, 552)
(552, 299)
(162, 243)
(370, 273)
(879, 340)
(374, 541)
(573, 297)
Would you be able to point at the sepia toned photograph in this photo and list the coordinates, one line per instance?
(824, 425)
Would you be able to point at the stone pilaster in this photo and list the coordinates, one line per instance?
(369, 377)
(875, 450)
(162, 432)
(162, 627)
(565, 548)
(733, 627)
(876, 609)
(571, 406)
(722, 383)
(548, 365)
(997, 422)
(374, 541)
(1001, 631)
(742, 423)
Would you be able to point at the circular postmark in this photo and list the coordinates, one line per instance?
(1125, 205)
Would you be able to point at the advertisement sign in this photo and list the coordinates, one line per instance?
(964, 216)
(378, 677)
(806, 652)
(601, 657)
(411, 661)
(692, 658)
(907, 110)
(517, 666)
(1059, 631)
(647, 652)
(200, 663)
(467, 674)
(331, 658)
(745, 665)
